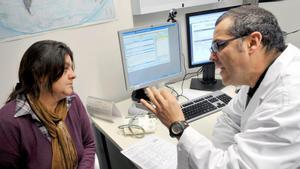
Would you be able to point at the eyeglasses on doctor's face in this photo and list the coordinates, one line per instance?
(218, 45)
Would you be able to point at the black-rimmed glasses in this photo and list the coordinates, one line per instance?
(218, 45)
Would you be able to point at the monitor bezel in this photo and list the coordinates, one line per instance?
(188, 33)
(156, 82)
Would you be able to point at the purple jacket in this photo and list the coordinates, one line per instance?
(22, 144)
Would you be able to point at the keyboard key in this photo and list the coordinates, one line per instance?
(225, 98)
(187, 104)
(213, 100)
(198, 100)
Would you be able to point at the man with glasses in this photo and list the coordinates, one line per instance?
(260, 127)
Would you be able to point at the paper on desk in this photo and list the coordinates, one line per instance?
(153, 153)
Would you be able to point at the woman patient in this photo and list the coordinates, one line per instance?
(44, 123)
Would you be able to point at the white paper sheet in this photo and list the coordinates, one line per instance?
(153, 153)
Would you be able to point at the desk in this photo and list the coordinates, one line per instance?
(112, 136)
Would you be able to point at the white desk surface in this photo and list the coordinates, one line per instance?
(115, 135)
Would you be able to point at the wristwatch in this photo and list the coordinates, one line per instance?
(176, 129)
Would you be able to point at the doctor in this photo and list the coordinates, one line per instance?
(260, 127)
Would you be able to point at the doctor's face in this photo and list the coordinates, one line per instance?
(229, 54)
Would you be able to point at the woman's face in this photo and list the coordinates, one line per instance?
(64, 85)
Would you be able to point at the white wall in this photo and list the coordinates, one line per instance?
(286, 12)
(96, 53)
(96, 48)
(160, 17)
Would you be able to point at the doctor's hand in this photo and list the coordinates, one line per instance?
(164, 105)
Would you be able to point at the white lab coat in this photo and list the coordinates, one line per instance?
(265, 135)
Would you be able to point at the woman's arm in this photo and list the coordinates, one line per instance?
(9, 145)
(88, 138)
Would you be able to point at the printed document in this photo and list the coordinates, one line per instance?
(153, 153)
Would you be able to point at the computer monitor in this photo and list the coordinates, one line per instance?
(200, 27)
(151, 55)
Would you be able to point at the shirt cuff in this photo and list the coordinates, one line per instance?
(189, 138)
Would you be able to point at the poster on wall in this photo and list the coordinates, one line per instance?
(22, 18)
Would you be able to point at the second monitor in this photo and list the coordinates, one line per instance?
(151, 55)
(200, 27)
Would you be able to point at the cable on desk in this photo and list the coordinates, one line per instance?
(135, 130)
(186, 75)
(139, 125)
(172, 89)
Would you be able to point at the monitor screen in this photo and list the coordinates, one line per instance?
(200, 27)
(150, 55)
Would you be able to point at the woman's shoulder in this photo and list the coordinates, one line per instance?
(8, 110)
(7, 115)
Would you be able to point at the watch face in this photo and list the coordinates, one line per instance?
(177, 128)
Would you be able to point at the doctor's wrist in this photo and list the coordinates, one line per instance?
(177, 128)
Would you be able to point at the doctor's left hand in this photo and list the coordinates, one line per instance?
(164, 106)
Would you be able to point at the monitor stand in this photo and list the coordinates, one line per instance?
(208, 81)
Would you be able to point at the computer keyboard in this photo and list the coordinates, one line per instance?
(204, 105)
